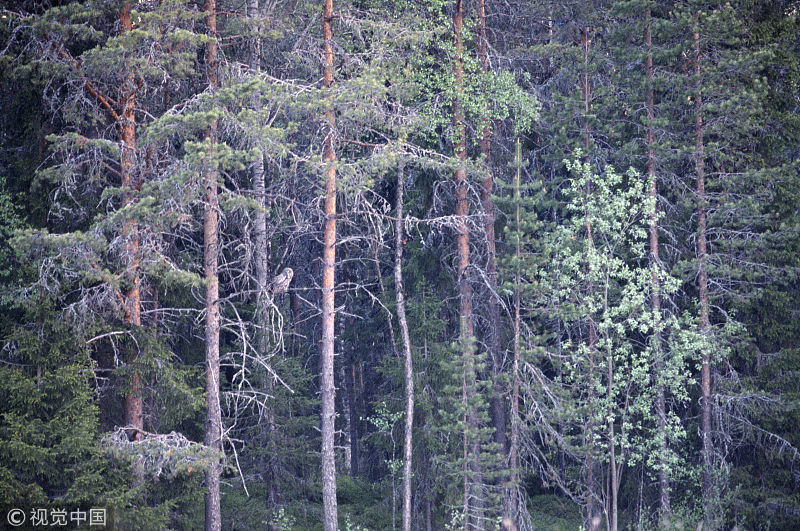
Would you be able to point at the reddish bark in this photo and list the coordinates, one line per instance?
(328, 268)
(126, 121)
(466, 325)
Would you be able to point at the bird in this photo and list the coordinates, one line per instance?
(280, 284)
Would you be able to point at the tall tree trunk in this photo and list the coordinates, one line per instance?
(595, 518)
(466, 326)
(513, 454)
(328, 265)
(262, 255)
(655, 282)
(409, 361)
(498, 410)
(586, 93)
(428, 518)
(613, 476)
(709, 494)
(132, 402)
(213, 435)
(259, 190)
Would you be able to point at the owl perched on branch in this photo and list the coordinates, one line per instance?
(281, 282)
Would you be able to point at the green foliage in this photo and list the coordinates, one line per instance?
(10, 222)
(591, 271)
(593, 353)
(50, 439)
(49, 417)
(385, 422)
(362, 505)
(554, 512)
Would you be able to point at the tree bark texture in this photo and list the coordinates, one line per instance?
(466, 326)
(409, 361)
(594, 516)
(213, 428)
(328, 265)
(133, 410)
(498, 410)
(261, 245)
(655, 282)
(709, 494)
(259, 190)
(513, 454)
(613, 470)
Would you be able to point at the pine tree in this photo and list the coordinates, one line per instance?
(213, 428)
(328, 286)
(164, 204)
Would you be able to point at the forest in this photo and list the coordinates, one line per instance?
(395, 264)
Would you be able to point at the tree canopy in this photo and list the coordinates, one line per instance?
(372, 264)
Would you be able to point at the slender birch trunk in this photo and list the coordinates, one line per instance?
(595, 518)
(613, 476)
(355, 428)
(259, 190)
(409, 361)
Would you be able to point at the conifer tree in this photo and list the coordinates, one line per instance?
(725, 88)
(466, 327)
(106, 82)
(213, 428)
(179, 178)
(328, 284)
(487, 205)
(111, 67)
(638, 17)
